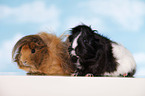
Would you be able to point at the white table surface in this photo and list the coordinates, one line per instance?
(70, 86)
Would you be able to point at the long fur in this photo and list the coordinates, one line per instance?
(95, 54)
(42, 53)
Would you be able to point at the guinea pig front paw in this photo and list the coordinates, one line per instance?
(89, 75)
(29, 73)
(74, 74)
(37, 73)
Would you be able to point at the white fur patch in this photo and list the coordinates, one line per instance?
(73, 52)
(78, 64)
(15, 54)
(124, 59)
(75, 44)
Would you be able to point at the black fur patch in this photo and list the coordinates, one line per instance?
(94, 51)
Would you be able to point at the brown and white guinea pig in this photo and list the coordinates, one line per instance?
(42, 54)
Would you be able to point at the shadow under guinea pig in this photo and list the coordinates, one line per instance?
(42, 54)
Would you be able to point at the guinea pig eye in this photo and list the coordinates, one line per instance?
(33, 51)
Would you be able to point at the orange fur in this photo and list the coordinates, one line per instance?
(42, 53)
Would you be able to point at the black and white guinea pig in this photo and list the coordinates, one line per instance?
(96, 55)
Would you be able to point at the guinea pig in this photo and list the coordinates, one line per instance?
(96, 55)
(42, 54)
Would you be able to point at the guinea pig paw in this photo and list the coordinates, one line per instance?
(125, 74)
(89, 75)
(29, 73)
(74, 74)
